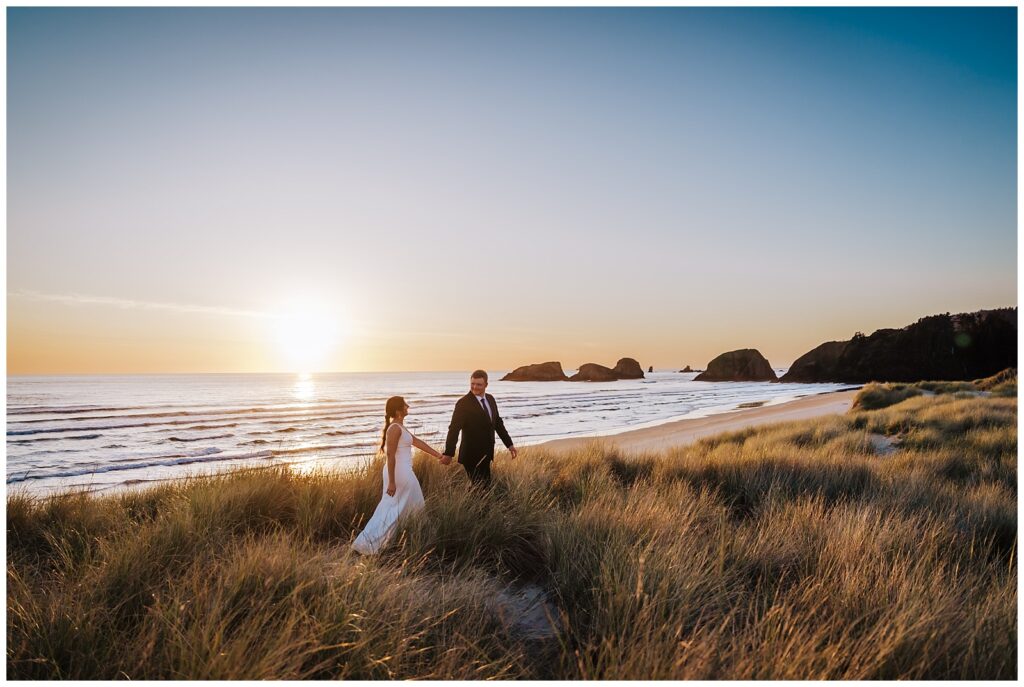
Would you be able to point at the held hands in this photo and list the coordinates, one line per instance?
(444, 460)
(447, 460)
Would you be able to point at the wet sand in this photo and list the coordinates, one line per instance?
(682, 432)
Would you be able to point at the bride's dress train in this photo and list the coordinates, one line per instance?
(408, 498)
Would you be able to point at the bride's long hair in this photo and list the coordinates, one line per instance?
(394, 406)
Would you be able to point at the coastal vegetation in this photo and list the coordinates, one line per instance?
(877, 395)
(879, 544)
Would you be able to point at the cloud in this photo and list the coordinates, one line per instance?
(128, 304)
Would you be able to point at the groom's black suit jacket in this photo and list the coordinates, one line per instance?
(470, 418)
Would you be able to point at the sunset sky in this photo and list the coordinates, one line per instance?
(235, 190)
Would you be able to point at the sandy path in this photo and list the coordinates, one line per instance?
(682, 432)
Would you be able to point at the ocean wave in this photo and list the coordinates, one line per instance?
(313, 449)
(181, 460)
(232, 424)
(134, 456)
(42, 410)
(342, 433)
(26, 442)
(216, 436)
(291, 409)
(176, 423)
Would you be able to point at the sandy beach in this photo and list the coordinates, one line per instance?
(682, 432)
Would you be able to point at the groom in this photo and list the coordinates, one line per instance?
(476, 416)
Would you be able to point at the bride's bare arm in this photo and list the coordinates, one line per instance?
(425, 447)
(394, 432)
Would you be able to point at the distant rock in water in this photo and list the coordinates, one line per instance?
(946, 347)
(650, 369)
(592, 372)
(744, 365)
(627, 368)
(540, 372)
(687, 369)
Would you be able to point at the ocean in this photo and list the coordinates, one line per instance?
(104, 433)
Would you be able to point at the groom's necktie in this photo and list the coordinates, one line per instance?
(487, 408)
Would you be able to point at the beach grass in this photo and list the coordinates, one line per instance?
(877, 395)
(876, 544)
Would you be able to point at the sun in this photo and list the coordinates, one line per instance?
(306, 336)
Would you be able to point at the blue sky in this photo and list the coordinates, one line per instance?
(571, 184)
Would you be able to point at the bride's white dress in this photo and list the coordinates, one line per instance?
(408, 498)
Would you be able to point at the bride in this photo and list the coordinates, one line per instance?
(402, 493)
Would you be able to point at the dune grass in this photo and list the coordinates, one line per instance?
(877, 395)
(791, 551)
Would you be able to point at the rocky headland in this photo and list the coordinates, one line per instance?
(941, 347)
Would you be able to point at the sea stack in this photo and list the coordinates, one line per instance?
(592, 372)
(627, 368)
(744, 365)
(539, 372)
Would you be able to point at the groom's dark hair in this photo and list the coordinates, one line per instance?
(479, 374)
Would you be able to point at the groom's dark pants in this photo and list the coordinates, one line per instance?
(479, 472)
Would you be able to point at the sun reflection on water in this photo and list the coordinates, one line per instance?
(304, 387)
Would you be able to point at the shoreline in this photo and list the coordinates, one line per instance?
(688, 430)
(663, 435)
